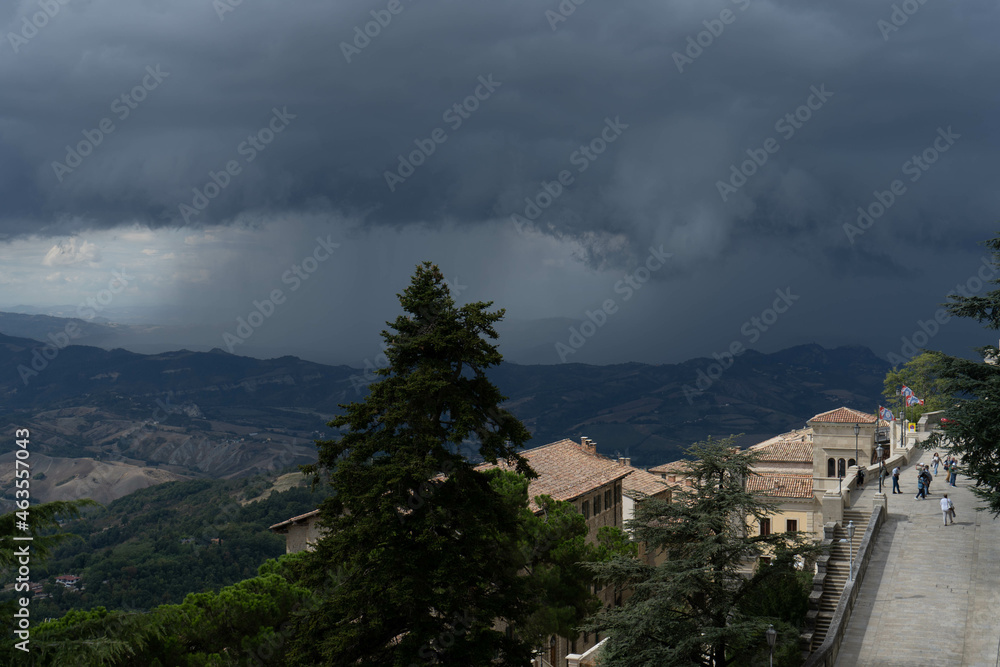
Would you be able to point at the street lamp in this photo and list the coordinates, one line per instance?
(857, 429)
(771, 636)
(881, 466)
(850, 535)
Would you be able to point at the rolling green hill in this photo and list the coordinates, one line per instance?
(158, 544)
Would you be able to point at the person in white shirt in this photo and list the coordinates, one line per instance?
(895, 480)
(947, 509)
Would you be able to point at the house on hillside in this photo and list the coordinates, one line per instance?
(68, 581)
(301, 532)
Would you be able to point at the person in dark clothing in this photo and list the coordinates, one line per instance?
(925, 475)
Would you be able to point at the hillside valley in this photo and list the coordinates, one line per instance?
(182, 414)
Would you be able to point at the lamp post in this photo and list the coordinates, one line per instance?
(850, 535)
(857, 430)
(881, 466)
(772, 634)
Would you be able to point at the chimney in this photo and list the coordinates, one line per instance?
(588, 444)
(621, 460)
(628, 460)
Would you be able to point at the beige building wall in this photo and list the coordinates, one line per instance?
(802, 512)
(612, 516)
(608, 515)
(302, 536)
(836, 441)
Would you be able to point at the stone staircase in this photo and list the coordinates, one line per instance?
(837, 572)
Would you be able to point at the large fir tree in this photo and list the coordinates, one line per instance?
(701, 605)
(429, 544)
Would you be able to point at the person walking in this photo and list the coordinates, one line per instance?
(953, 471)
(925, 475)
(895, 480)
(921, 489)
(936, 460)
(947, 509)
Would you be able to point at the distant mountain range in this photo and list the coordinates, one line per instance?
(211, 400)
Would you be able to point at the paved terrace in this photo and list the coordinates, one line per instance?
(932, 593)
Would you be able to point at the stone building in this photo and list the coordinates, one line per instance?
(301, 532)
(598, 487)
(575, 473)
(808, 472)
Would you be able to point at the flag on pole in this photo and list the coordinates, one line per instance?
(906, 391)
(886, 414)
(913, 400)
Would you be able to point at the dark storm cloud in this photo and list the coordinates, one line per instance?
(225, 75)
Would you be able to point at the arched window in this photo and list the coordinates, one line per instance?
(851, 462)
(831, 468)
(841, 468)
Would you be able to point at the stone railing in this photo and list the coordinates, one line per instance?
(826, 654)
(816, 595)
(588, 659)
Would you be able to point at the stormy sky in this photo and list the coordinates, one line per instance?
(632, 181)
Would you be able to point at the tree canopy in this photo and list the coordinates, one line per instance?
(921, 375)
(703, 604)
(436, 551)
(973, 416)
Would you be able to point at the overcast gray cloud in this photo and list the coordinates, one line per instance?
(741, 135)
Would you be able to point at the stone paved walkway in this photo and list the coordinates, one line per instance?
(931, 595)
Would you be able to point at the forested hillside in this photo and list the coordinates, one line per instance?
(157, 545)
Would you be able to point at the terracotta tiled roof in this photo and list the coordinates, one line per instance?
(675, 467)
(797, 452)
(566, 470)
(844, 416)
(798, 435)
(640, 481)
(781, 486)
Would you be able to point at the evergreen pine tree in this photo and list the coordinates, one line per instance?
(695, 608)
(429, 546)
